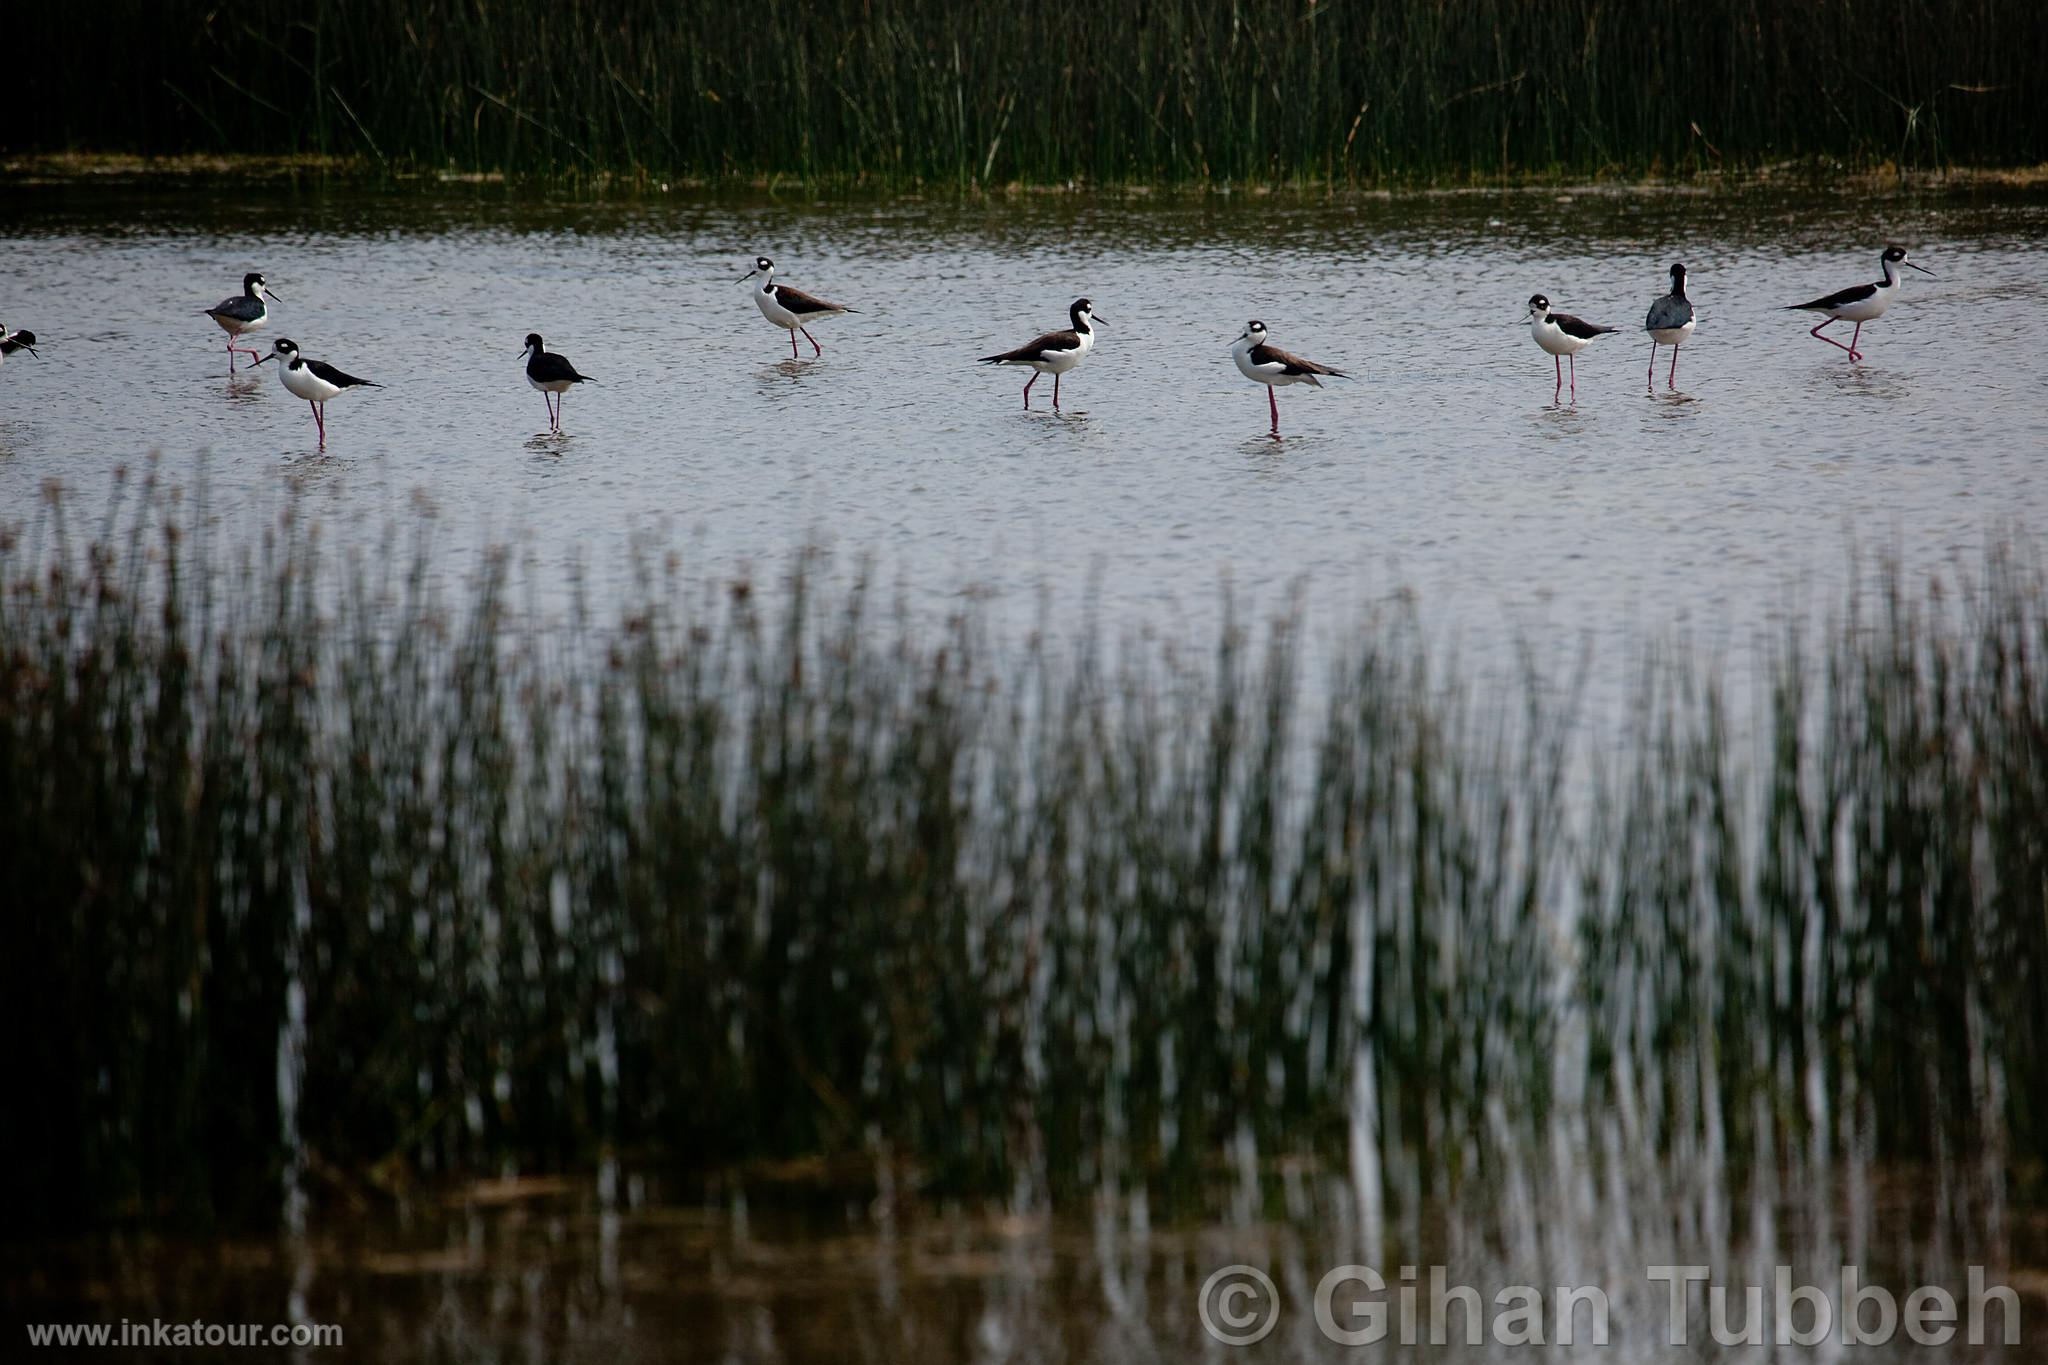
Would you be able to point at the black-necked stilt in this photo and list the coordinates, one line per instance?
(551, 373)
(244, 313)
(1271, 366)
(1861, 303)
(1563, 335)
(790, 308)
(316, 381)
(10, 342)
(1670, 323)
(1054, 353)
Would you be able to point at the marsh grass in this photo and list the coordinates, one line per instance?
(318, 883)
(925, 92)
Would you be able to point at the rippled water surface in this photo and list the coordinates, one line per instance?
(1445, 467)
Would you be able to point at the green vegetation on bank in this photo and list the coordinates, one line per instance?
(939, 93)
(314, 880)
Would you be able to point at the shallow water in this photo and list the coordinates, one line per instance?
(1446, 467)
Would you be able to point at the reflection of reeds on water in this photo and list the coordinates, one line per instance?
(314, 881)
(925, 91)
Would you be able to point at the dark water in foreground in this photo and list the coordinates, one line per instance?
(1447, 469)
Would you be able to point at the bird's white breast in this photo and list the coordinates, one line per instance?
(1272, 372)
(772, 310)
(1059, 362)
(1554, 338)
(1867, 310)
(307, 385)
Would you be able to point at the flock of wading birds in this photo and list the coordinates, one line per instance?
(1670, 322)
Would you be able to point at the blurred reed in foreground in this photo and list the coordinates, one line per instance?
(316, 883)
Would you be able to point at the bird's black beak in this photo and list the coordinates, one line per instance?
(32, 350)
(265, 356)
(1923, 270)
(748, 276)
(272, 294)
(1097, 317)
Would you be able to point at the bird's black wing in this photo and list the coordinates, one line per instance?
(322, 370)
(550, 368)
(240, 308)
(1841, 298)
(1036, 348)
(1289, 363)
(1579, 327)
(797, 301)
(1673, 310)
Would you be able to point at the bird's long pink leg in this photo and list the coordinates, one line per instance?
(792, 346)
(1027, 390)
(1055, 391)
(1651, 378)
(1575, 375)
(1557, 364)
(1831, 341)
(1855, 354)
(1673, 381)
(231, 355)
(319, 420)
(1273, 399)
(816, 349)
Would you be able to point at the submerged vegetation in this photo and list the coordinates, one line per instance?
(318, 883)
(931, 92)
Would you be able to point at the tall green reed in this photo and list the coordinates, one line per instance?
(919, 91)
(319, 881)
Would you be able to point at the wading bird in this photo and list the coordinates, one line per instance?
(1271, 366)
(790, 308)
(244, 313)
(10, 342)
(1670, 323)
(316, 381)
(1054, 353)
(551, 374)
(1563, 335)
(1861, 303)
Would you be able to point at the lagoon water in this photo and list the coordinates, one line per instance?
(1445, 468)
(1763, 484)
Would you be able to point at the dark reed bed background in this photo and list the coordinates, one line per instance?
(933, 92)
(316, 882)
